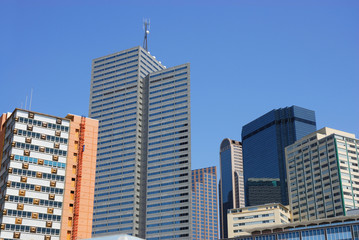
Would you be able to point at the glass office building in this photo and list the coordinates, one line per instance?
(263, 190)
(231, 185)
(204, 204)
(338, 228)
(143, 175)
(265, 138)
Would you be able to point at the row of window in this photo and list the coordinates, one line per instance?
(168, 88)
(168, 94)
(115, 168)
(118, 117)
(167, 83)
(115, 151)
(27, 200)
(112, 224)
(39, 149)
(169, 71)
(36, 161)
(115, 86)
(114, 157)
(167, 111)
(39, 230)
(32, 187)
(118, 106)
(113, 205)
(166, 117)
(25, 214)
(114, 76)
(168, 99)
(113, 198)
(43, 124)
(116, 134)
(154, 62)
(38, 136)
(168, 152)
(114, 162)
(121, 127)
(116, 174)
(120, 144)
(114, 97)
(115, 56)
(117, 70)
(167, 123)
(29, 173)
(111, 218)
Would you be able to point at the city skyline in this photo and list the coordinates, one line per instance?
(318, 57)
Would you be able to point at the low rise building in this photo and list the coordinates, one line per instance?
(241, 219)
(337, 228)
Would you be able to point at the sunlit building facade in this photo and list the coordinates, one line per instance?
(323, 174)
(241, 219)
(143, 175)
(47, 174)
(204, 204)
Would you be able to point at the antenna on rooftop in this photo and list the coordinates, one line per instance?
(30, 99)
(146, 27)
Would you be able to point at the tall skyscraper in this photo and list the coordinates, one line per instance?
(323, 174)
(264, 140)
(143, 176)
(204, 204)
(231, 185)
(47, 175)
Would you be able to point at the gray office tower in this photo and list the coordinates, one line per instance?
(143, 172)
(264, 140)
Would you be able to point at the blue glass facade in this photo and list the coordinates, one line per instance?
(265, 138)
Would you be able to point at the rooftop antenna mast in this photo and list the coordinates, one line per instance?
(146, 26)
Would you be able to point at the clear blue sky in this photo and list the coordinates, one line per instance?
(247, 57)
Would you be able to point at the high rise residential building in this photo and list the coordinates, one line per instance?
(231, 185)
(240, 220)
(263, 190)
(264, 140)
(204, 204)
(47, 175)
(143, 174)
(323, 174)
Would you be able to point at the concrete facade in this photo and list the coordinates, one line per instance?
(143, 175)
(240, 220)
(323, 174)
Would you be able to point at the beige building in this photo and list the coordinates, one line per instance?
(323, 175)
(241, 219)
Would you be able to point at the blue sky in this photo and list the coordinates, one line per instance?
(247, 57)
